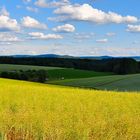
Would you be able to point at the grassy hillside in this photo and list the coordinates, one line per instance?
(12, 67)
(36, 111)
(55, 73)
(69, 73)
(114, 82)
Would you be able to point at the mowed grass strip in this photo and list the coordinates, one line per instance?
(36, 111)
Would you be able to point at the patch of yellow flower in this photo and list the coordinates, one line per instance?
(31, 111)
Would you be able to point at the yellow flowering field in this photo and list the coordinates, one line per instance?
(32, 111)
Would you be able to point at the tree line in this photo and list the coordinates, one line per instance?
(29, 75)
(115, 65)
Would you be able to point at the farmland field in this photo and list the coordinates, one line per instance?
(12, 67)
(114, 82)
(55, 73)
(69, 73)
(39, 112)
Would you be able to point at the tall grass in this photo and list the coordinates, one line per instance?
(30, 111)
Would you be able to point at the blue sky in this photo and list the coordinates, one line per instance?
(70, 27)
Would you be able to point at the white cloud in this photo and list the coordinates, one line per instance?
(105, 40)
(4, 11)
(41, 3)
(48, 4)
(5, 43)
(8, 24)
(18, 6)
(133, 28)
(8, 38)
(27, 1)
(69, 49)
(39, 35)
(87, 13)
(32, 9)
(64, 28)
(30, 22)
(110, 34)
(83, 36)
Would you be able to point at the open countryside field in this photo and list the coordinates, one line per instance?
(83, 78)
(114, 82)
(69, 73)
(38, 111)
(13, 67)
(55, 73)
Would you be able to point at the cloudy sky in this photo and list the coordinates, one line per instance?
(70, 27)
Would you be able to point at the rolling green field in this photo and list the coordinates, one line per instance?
(55, 73)
(13, 67)
(114, 82)
(69, 73)
(32, 111)
(83, 78)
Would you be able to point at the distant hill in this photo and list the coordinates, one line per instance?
(96, 57)
(44, 56)
(137, 58)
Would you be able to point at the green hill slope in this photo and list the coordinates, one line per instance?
(115, 82)
(36, 111)
(12, 67)
(69, 73)
(55, 73)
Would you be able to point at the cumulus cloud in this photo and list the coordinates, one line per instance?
(110, 34)
(4, 11)
(133, 28)
(30, 22)
(32, 9)
(27, 1)
(87, 13)
(41, 3)
(8, 38)
(42, 36)
(105, 40)
(83, 36)
(8, 24)
(5, 43)
(48, 3)
(64, 28)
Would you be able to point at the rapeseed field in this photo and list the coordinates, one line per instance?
(31, 111)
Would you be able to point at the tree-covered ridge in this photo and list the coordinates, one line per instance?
(116, 65)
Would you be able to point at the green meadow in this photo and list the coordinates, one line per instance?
(55, 73)
(113, 82)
